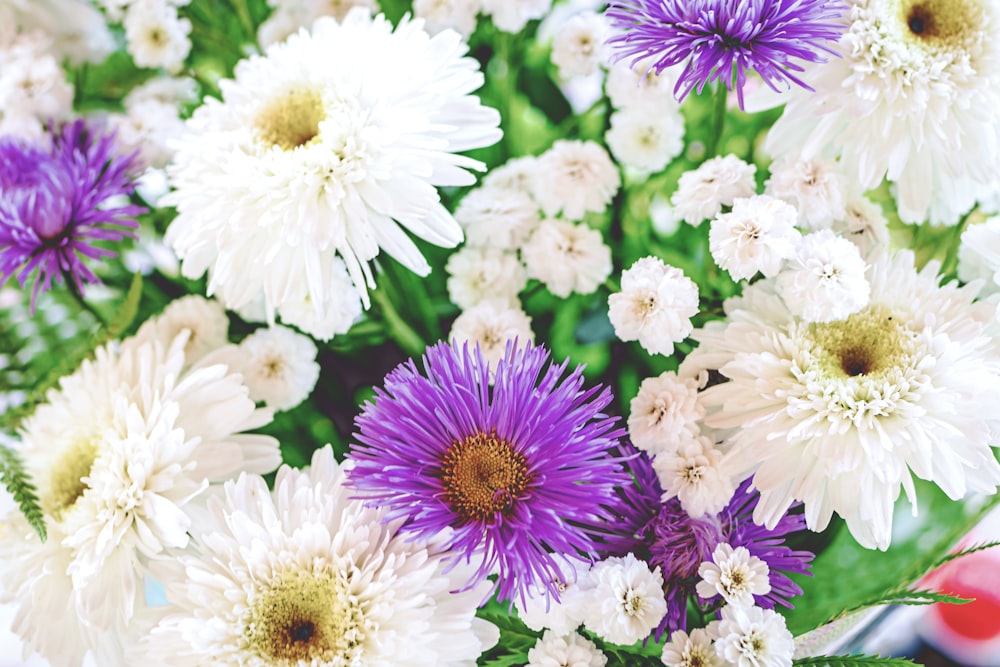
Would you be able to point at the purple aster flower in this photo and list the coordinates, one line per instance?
(54, 206)
(666, 536)
(723, 39)
(520, 473)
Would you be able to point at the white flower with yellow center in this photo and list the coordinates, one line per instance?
(841, 415)
(914, 97)
(305, 575)
(330, 145)
(735, 574)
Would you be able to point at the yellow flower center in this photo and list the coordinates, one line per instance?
(867, 343)
(942, 23)
(482, 475)
(292, 120)
(66, 483)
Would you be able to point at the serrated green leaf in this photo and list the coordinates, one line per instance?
(964, 552)
(16, 479)
(907, 597)
(852, 661)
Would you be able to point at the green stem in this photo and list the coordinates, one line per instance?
(718, 120)
(74, 291)
(398, 329)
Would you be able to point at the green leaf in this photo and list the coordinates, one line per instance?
(126, 313)
(16, 480)
(852, 661)
(907, 596)
(516, 639)
(964, 552)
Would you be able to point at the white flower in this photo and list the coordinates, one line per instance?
(695, 475)
(568, 650)
(329, 145)
(637, 84)
(513, 15)
(476, 273)
(340, 308)
(165, 89)
(517, 174)
(439, 15)
(754, 237)
(306, 575)
(979, 255)
(497, 216)
(155, 35)
(204, 319)
(717, 182)
(646, 138)
(694, 650)
(290, 15)
(916, 84)
(825, 279)
(655, 305)
(33, 88)
(754, 637)
(842, 415)
(149, 126)
(626, 602)
(813, 186)
(567, 257)
(735, 574)
(492, 325)
(278, 365)
(865, 226)
(578, 44)
(575, 177)
(665, 408)
(539, 610)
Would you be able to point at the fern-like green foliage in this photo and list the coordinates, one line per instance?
(16, 480)
(852, 661)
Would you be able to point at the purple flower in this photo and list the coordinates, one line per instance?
(723, 39)
(54, 206)
(666, 536)
(521, 473)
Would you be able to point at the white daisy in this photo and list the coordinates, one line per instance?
(754, 637)
(842, 415)
(914, 97)
(575, 177)
(568, 650)
(278, 365)
(307, 575)
(813, 186)
(695, 475)
(701, 193)
(754, 237)
(578, 44)
(655, 305)
(567, 258)
(694, 650)
(492, 325)
(825, 279)
(477, 273)
(539, 610)
(665, 408)
(646, 139)
(735, 574)
(330, 144)
(626, 600)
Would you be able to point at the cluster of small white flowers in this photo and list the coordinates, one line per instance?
(156, 35)
(291, 15)
(813, 186)
(720, 181)
(655, 305)
(755, 237)
(746, 636)
(825, 279)
(664, 412)
(625, 600)
(570, 650)
(33, 87)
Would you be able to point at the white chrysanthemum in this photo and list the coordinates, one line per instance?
(459, 15)
(33, 87)
(575, 177)
(291, 15)
(567, 650)
(665, 409)
(492, 325)
(813, 186)
(842, 415)
(865, 226)
(754, 637)
(330, 144)
(307, 575)
(914, 97)
(701, 193)
(578, 44)
(646, 138)
(636, 84)
(735, 574)
(477, 273)
(655, 305)
(513, 15)
(204, 319)
(567, 257)
(539, 610)
(497, 216)
(278, 365)
(756, 236)
(695, 475)
(825, 279)
(979, 255)
(694, 650)
(626, 601)
(155, 35)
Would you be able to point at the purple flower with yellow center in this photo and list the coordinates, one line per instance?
(516, 474)
(56, 208)
(724, 39)
(666, 536)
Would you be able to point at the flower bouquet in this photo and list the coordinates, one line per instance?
(496, 332)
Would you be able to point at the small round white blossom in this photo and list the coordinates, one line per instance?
(694, 650)
(438, 15)
(814, 186)
(694, 474)
(655, 306)
(492, 325)
(720, 181)
(477, 273)
(636, 84)
(825, 280)
(156, 36)
(754, 237)
(578, 44)
(539, 610)
(753, 637)
(512, 15)
(33, 87)
(575, 177)
(498, 217)
(865, 226)
(644, 138)
(735, 574)
(570, 650)
(517, 174)
(149, 126)
(665, 409)
(567, 257)
(626, 602)
(204, 319)
(278, 365)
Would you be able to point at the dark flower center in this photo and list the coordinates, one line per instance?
(949, 23)
(483, 475)
(866, 343)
